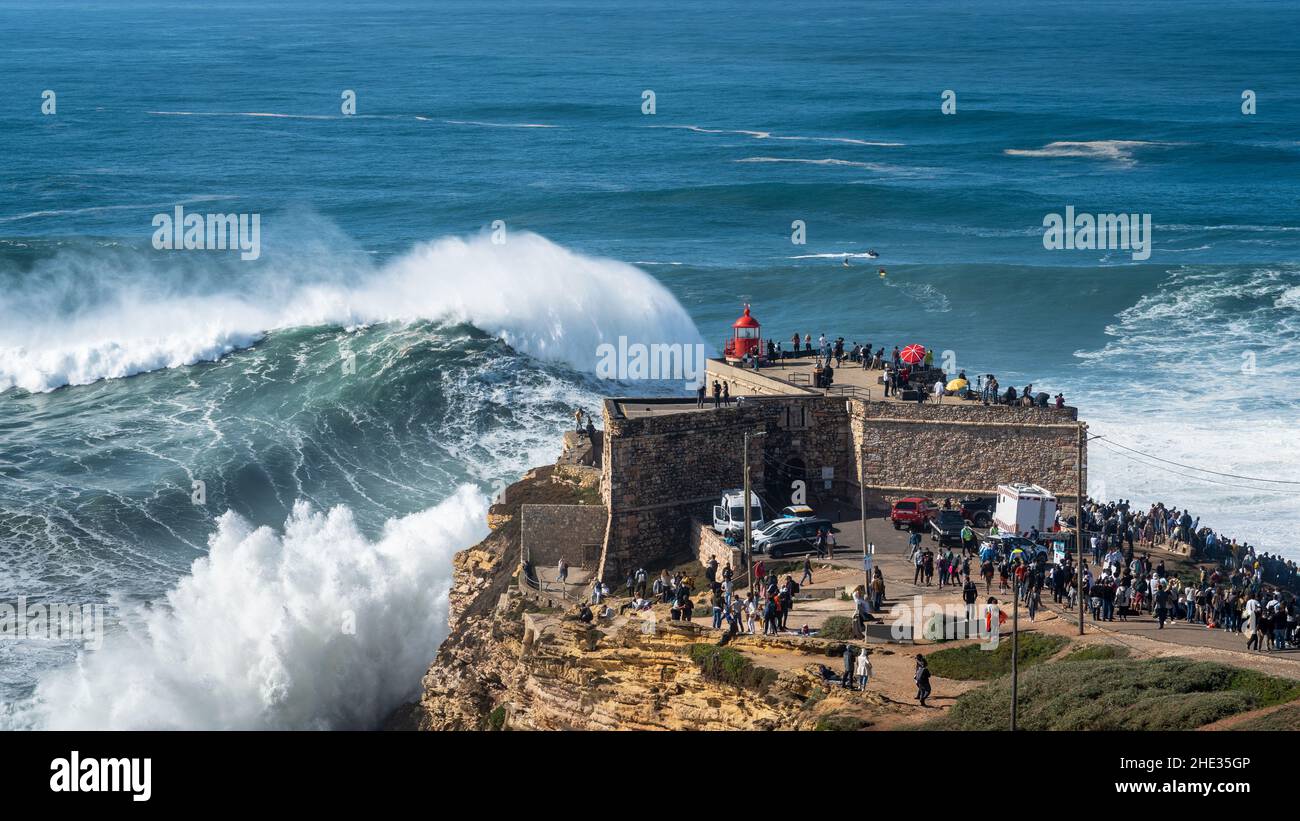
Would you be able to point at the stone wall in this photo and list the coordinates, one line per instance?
(707, 544)
(765, 381)
(958, 449)
(809, 440)
(576, 532)
(662, 472)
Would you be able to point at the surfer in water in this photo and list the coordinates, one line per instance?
(846, 261)
(882, 273)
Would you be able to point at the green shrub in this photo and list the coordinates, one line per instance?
(815, 696)
(496, 719)
(728, 666)
(1121, 694)
(838, 722)
(1096, 652)
(972, 662)
(839, 628)
(1286, 719)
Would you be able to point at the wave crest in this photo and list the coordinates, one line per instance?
(542, 299)
(317, 627)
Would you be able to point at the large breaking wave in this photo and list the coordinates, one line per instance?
(317, 627)
(80, 316)
(254, 634)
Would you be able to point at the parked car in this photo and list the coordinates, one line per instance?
(799, 538)
(946, 527)
(912, 512)
(797, 512)
(1007, 545)
(978, 511)
(771, 530)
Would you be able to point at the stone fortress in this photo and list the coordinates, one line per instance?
(663, 463)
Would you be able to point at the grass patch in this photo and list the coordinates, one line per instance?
(1287, 719)
(837, 628)
(815, 696)
(972, 663)
(1121, 694)
(728, 666)
(838, 722)
(588, 495)
(1096, 652)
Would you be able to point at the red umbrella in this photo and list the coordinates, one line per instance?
(913, 354)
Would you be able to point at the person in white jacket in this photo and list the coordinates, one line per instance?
(862, 669)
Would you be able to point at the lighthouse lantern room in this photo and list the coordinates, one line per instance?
(745, 339)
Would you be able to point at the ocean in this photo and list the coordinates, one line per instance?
(237, 456)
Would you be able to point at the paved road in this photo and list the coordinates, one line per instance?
(1180, 632)
(891, 552)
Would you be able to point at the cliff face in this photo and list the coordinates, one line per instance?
(510, 662)
(540, 671)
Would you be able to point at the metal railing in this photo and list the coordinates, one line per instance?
(851, 391)
(541, 587)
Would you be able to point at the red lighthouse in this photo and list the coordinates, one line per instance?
(745, 339)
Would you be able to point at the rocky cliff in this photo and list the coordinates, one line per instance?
(512, 662)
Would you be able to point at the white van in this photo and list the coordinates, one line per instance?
(1022, 507)
(729, 515)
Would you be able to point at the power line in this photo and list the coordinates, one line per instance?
(1202, 470)
(1198, 478)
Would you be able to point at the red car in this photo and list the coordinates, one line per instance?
(913, 512)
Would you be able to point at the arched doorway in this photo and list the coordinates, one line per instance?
(782, 475)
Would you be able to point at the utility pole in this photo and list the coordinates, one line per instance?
(749, 525)
(1078, 518)
(862, 508)
(1015, 647)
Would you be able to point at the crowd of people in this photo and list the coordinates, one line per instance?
(1237, 588)
(765, 606)
(1241, 591)
(1120, 524)
(900, 375)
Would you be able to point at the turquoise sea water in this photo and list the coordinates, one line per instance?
(128, 373)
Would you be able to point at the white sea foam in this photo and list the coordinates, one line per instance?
(768, 135)
(271, 114)
(485, 124)
(863, 255)
(824, 161)
(929, 297)
(1251, 228)
(99, 209)
(1223, 343)
(315, 627)
(1120, 151)
(542, 299)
